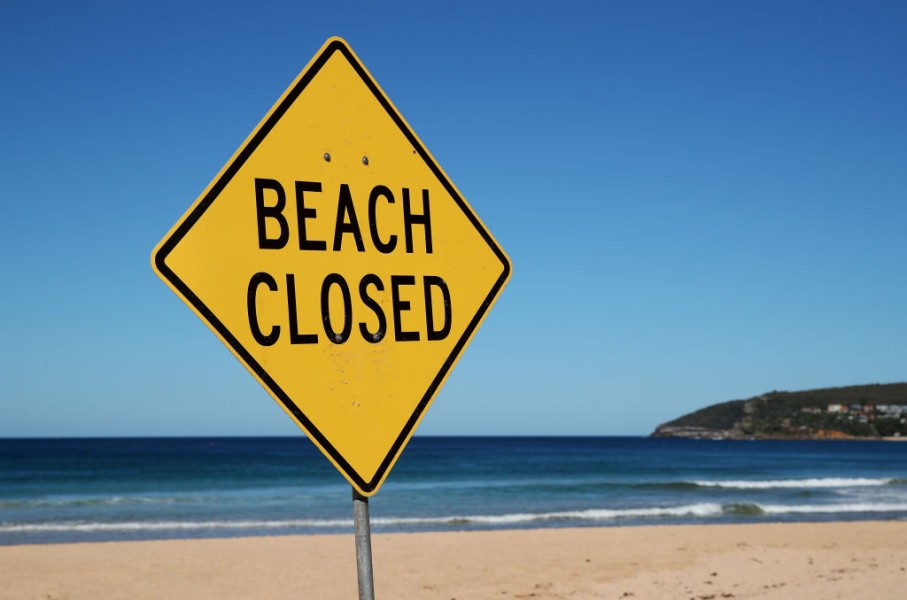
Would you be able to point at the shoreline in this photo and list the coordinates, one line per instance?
(775, 560)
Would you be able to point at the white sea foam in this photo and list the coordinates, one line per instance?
(805, 509)
(700, 510)
(695, 510)
(597, 514)
(826, 482)
(87, 527)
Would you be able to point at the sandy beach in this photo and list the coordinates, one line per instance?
(822, 560)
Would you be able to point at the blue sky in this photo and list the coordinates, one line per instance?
(702, 201)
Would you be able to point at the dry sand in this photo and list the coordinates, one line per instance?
(809, 561)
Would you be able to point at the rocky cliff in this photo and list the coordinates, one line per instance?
(865, 411)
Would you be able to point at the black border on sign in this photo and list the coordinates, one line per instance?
(189, 221)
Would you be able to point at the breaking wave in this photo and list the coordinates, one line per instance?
(588, 516)
(826, 482)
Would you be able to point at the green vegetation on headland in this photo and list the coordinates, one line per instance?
(863, 411)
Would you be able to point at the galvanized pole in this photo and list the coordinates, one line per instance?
(363, 547)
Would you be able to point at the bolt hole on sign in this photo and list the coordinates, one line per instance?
(336, 260)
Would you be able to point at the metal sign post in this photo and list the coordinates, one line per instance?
(388, 279)
(363, 546)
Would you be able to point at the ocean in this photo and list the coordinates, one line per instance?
(86, 490)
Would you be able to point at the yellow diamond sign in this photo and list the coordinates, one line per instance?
(337, 261)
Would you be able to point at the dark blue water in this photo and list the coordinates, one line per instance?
(112, 489)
